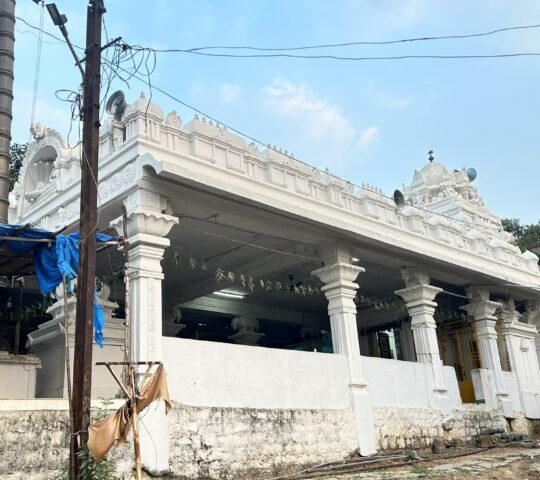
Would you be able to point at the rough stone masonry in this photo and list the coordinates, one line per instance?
(232, 443)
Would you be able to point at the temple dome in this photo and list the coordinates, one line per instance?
(432, 174)
(451, 193)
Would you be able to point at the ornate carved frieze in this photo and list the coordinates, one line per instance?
(442, 205)
(108, 188)
(445, 201)
(173, 120)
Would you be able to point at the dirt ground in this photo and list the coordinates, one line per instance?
(499, 463)
(525, 469)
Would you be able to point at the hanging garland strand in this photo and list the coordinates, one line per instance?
(222, 275)
(379, 304)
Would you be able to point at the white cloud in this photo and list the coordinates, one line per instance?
(319, 119)
(386, 100)
(368, 136)
(229, 92)
(325, 132)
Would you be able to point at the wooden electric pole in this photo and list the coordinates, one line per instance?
(82, 358)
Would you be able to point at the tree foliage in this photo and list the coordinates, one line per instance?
(526, 237)
(17, 152)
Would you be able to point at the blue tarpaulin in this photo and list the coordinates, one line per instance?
(54, 260)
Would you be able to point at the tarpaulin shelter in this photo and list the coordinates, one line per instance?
(51, 256)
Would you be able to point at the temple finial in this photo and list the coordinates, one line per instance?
(431, 157)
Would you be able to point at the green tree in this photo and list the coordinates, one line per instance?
(527, 237)
(17, 153)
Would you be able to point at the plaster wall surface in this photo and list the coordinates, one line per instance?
(21, 372)
(406, 384)
(48, 342)
(212, 374)
(524, 361)
(486, 389)
(51, 378)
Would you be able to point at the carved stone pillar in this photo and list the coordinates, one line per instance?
(146, 229)
(419, 295)
(520, 343)
(532, 317)
(340, 291)
(492, 390)
(482, 309)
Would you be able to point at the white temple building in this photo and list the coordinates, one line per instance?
(299, 318)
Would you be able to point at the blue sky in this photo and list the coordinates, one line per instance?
(366, 121)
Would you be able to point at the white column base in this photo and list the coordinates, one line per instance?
(537, 346)
(154, 439)
(488, 387)
(365, 423)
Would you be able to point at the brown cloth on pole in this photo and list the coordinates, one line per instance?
(103, 433)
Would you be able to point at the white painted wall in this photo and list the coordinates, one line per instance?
(406, 384)
(48, 344)
(215, 374)
(485, 388)
(520, 340)
(203, 373)
(19, 375)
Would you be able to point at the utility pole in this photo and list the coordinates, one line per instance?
(84, 327)
(7, 40)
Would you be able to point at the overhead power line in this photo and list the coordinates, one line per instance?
(197, 51)
(364, 42)
(337, 57)
(134, 74)
(38, 63)
(269, 147)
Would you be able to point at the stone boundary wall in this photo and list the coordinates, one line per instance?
(34, 444)
(398, 427)
(234, 443)
(213, 443)
(228, 443)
